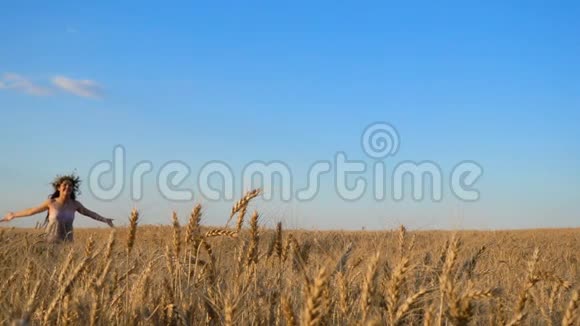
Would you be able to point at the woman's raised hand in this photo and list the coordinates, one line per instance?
(8, 217)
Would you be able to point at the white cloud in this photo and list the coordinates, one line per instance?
(84, 88)
(20, 83)
(78, 87)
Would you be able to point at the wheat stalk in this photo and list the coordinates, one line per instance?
(394, 290)
(405, 307)
(402, 233)
(133, 219)
(241, 207)
(446, 286)
(531, 280)
(314, 309)
(369, 286)
(244, 201)
(176, 235)
(288, 312)
(254, 240)
(220, 232)
(571, 314)
(193, 225)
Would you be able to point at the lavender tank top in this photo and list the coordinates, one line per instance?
(60, 224)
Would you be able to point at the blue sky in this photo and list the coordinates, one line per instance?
(494, 82)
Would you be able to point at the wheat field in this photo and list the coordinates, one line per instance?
(245, 274)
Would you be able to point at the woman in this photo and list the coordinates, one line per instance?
(61, 208)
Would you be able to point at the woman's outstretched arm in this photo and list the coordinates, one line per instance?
(27, 212)
(87, 212)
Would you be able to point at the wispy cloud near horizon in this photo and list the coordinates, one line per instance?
(79, 87)
(83, 88)
(20, 83)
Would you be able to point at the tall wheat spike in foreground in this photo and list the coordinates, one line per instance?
(241, 206)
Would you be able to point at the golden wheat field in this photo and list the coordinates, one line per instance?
(244, 274)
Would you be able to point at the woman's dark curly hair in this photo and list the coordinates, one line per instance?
(74, 180)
